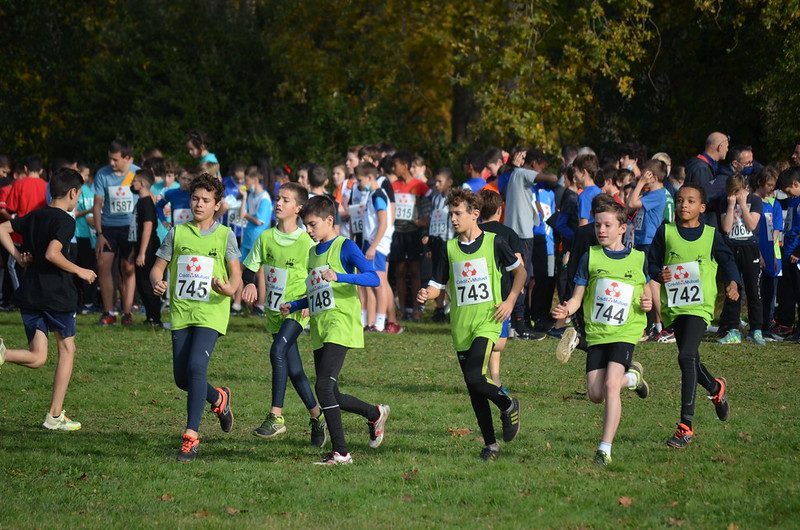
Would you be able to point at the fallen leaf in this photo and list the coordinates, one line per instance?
(154, 402)
(84, 477)
(201, 514)
(674, 504)
(745, 437)
(733, 526)
(407, 498)
(548, 446)
(166, 497)
(625, 501)
(672, 521)
(135, 392)
(411, 475)
(459, 432)
(231, 510)
(525, 493)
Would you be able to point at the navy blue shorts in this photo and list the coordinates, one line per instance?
(47, 321)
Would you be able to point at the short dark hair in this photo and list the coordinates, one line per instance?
(766, 174)
(172, 166)
(491, 201)
(588, 163)
(569, 151)
(475, 159)
(464, 196)
(446, 171)
(156, 165)
(123, 147)
(736, 151)
(386, 165)
(609, 206)
(632, 150)
(63, 180)
(319, 206)
(33, 164)
(207, 182)
(656, 167)
(147, 175)
(300, 193)
(535, 155)
(787, 178)
(237, 166)
(365, 169)
(371, 151)
(492, 154)
(693, 186)
(198, 139)
(404, 157)
(317, 175)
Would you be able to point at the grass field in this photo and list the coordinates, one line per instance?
(120, 469)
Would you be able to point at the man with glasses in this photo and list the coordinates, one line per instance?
(703, 169)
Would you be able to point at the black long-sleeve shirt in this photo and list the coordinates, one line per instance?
(719, 251)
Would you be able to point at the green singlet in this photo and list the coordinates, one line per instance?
(693, 289)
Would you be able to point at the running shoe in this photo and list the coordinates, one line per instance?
(666, 336)
(60, 423)
(127, 319)
(720, 399)
(188, 450)
(2, 352)
(771, 336)
(370, 329)
(393, 328)
(318, 433)
(642, 388)
(757, 337)
(223, 411)
(780, 329)
(569, 341)
(274, 425)
(648, 334)
(556, 333)
(376, 428)
(107, 319)
(601, 458)
(334, 459)
(510, 420)
(733, 336)
(490, 453)
(683, 435)
(258, 311)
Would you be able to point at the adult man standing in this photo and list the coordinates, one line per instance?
(702, 170)
(114, 203)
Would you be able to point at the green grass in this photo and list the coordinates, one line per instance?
(119, 470)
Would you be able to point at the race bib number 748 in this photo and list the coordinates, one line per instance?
(320, 292)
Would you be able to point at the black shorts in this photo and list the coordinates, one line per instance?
(527, 256)
(406, 246)
(47, 321)
(598, 356)
(117, 237)
(543, 264)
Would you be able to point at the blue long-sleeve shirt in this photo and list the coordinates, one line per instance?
(352, 260)
(178, 199)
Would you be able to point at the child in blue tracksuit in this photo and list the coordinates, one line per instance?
(789, 284)
(770, 226)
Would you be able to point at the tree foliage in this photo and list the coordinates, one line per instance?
(303, 80)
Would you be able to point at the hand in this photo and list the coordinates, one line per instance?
(519, 159)
(250, 293)
(503, 310)
(221, 287)
(166, 225)
(731, 200)
(646, 300)
(732, 291)
(793, 258)
(87, 275)
(422, 296)
(24, 259)
(648, 178)
(285, 309)
(305, 313)
(666, 275)
(560, 311)
(140, 260)
(741, 196)
(102, 245)
(425, 240)
(370, 254)
(160, 287)
(329, 275)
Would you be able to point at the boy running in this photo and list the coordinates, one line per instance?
(611, 284)
(47, 296)
(332, 300)
(203, 261)
(283, 252)
(683, 258)
(471, 266)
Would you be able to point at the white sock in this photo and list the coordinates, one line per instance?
(363, 318)
(261, 307)
(236, 307)
(631, 380)
(657, 327)
(380, 322)
(605, 447)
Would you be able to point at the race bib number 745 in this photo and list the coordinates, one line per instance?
(193, 280)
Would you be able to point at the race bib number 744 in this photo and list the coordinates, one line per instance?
(612, 302)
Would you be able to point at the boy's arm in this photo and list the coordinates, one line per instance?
(5, 239)
(162, 202)
(54, 255)
(383, 225)
(353, 259)
(157, 276)
(97, 209)
(231, 285)
(147, 230)
(635, 198)
(726, 221)
(567, 308)
(750, 218)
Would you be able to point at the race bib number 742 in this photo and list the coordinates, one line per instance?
(685, 288)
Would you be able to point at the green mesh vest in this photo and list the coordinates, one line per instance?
(285, 271)
(693, 289)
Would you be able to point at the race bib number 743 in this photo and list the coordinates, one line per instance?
(472, 282)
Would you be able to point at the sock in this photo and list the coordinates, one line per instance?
(380, 321)
(630, 380)
(605, 447)
(657, 327)
(363, 318)
(236, 307)
(261, 307)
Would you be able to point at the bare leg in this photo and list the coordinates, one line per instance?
(494, 360)
(595, 385)
(370, 296)
(106, 280)
(127, 287)
(66, 359)
(615, 380)
(261, 286)
(33, 358)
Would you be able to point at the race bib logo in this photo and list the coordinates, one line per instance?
(613, 290)
(194, 265)
(468, 271)
(271, 277)
(681, 273)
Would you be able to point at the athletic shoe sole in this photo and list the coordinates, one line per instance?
(569, 341)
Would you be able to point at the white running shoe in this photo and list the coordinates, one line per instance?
(569, 341)
(376, 428)
(333, 458)
(60, 423)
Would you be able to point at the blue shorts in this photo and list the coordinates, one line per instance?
(47, 321)
(379, 261)
(505, 329)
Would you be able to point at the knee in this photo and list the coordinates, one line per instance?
(595, 395)
(39, 359)
(473, 379)
(324, 390)
(612, 387)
